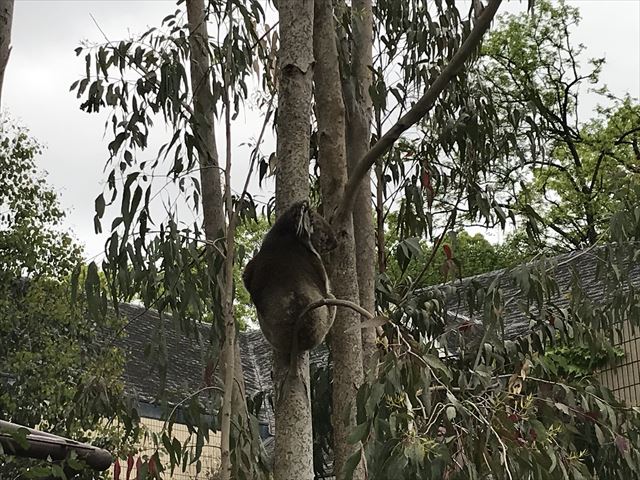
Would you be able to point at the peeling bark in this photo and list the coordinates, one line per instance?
(345, 341)
(294, 440)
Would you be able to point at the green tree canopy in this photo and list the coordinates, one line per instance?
(491, 407)
(561, 166)
(31, 242)
(56, 373)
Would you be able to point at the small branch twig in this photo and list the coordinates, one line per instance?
(338, 303)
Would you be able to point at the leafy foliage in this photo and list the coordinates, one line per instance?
(561, 166)
(455, 395)
(460, 255)
(495, 402)
(153, 253)
(249, 236)
(460, 392)
(56, 374)
(30, 243)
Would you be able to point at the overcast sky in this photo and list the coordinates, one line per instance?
(43, 65)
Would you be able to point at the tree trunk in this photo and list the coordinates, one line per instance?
(294, 440)
(345, 339)
(6, 20)
(228, 351)
(214, 224)
(592, 234)
(358, 139)
(203, 122)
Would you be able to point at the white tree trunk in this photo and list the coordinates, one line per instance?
(345, 339)
(294, 440)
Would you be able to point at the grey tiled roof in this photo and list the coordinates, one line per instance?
(186, 358)
(255, 353)
(186, 362)
(581, 266)
(186, 352)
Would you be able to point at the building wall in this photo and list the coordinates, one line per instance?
(209, 460)
(623, 377)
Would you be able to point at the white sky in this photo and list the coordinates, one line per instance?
(43, 65)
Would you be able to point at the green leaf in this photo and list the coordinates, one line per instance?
(100, 205)
(40, 472)
(599, 435)
(437, 364)
(451, 412)
(351, 464)
(358, 433)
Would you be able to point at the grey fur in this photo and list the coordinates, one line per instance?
(287, 274)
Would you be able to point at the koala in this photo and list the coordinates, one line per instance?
(287, 275)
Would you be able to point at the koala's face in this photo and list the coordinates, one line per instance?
(308, 226)
(322, 236)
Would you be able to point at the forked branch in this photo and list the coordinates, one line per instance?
(421, 108)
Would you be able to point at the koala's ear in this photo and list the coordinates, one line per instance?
(304, 227)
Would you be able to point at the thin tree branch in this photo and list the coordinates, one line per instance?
(6, 20)
(596, 171)
(620, 140)
(338, 303)
(228, 350)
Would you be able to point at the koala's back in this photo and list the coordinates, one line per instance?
(287, 264)
(287, 275)
(283, 289)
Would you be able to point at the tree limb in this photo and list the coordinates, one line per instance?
(338, 303)
(44, 445)
(421, 108)
(626, 134)
(6, 20)
(596, 171)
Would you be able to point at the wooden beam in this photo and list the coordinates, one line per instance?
(42, 445)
